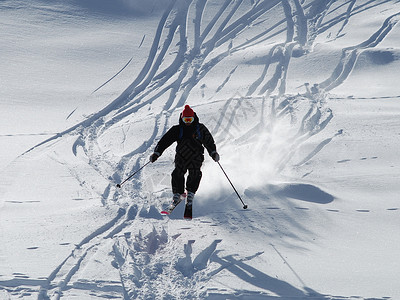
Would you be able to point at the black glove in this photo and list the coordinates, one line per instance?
(215, 156)
(154, 157)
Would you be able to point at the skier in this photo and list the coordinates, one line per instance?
(191, 137)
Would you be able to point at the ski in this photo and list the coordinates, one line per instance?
(188, 210)
(172, 206)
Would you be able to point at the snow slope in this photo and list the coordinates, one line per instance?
(303, 102)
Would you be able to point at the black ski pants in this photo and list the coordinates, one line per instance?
(194, 177)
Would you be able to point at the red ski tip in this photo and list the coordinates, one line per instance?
(164, 212)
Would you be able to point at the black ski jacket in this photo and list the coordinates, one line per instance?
(191, 140)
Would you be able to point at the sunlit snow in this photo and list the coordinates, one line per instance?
(302, 98)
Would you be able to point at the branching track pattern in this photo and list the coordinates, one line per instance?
(186, 48)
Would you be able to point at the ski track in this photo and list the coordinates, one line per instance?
(129, 61)
(144, 260)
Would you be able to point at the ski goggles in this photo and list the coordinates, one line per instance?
(188, 120)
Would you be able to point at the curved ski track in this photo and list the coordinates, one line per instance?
(173, 80)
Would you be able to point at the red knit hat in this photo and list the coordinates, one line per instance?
(187, 112)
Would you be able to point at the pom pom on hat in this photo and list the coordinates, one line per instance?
(187, 112)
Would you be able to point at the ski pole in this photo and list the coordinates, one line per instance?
(244, 205)
(120, 184)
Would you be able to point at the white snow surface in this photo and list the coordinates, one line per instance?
(302, 98)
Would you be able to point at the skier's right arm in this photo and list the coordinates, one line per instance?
(167, 140)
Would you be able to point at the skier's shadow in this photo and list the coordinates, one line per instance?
(260, 279)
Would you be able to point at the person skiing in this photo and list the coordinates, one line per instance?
(191, 137)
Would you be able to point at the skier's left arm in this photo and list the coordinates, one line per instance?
(208, 142)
